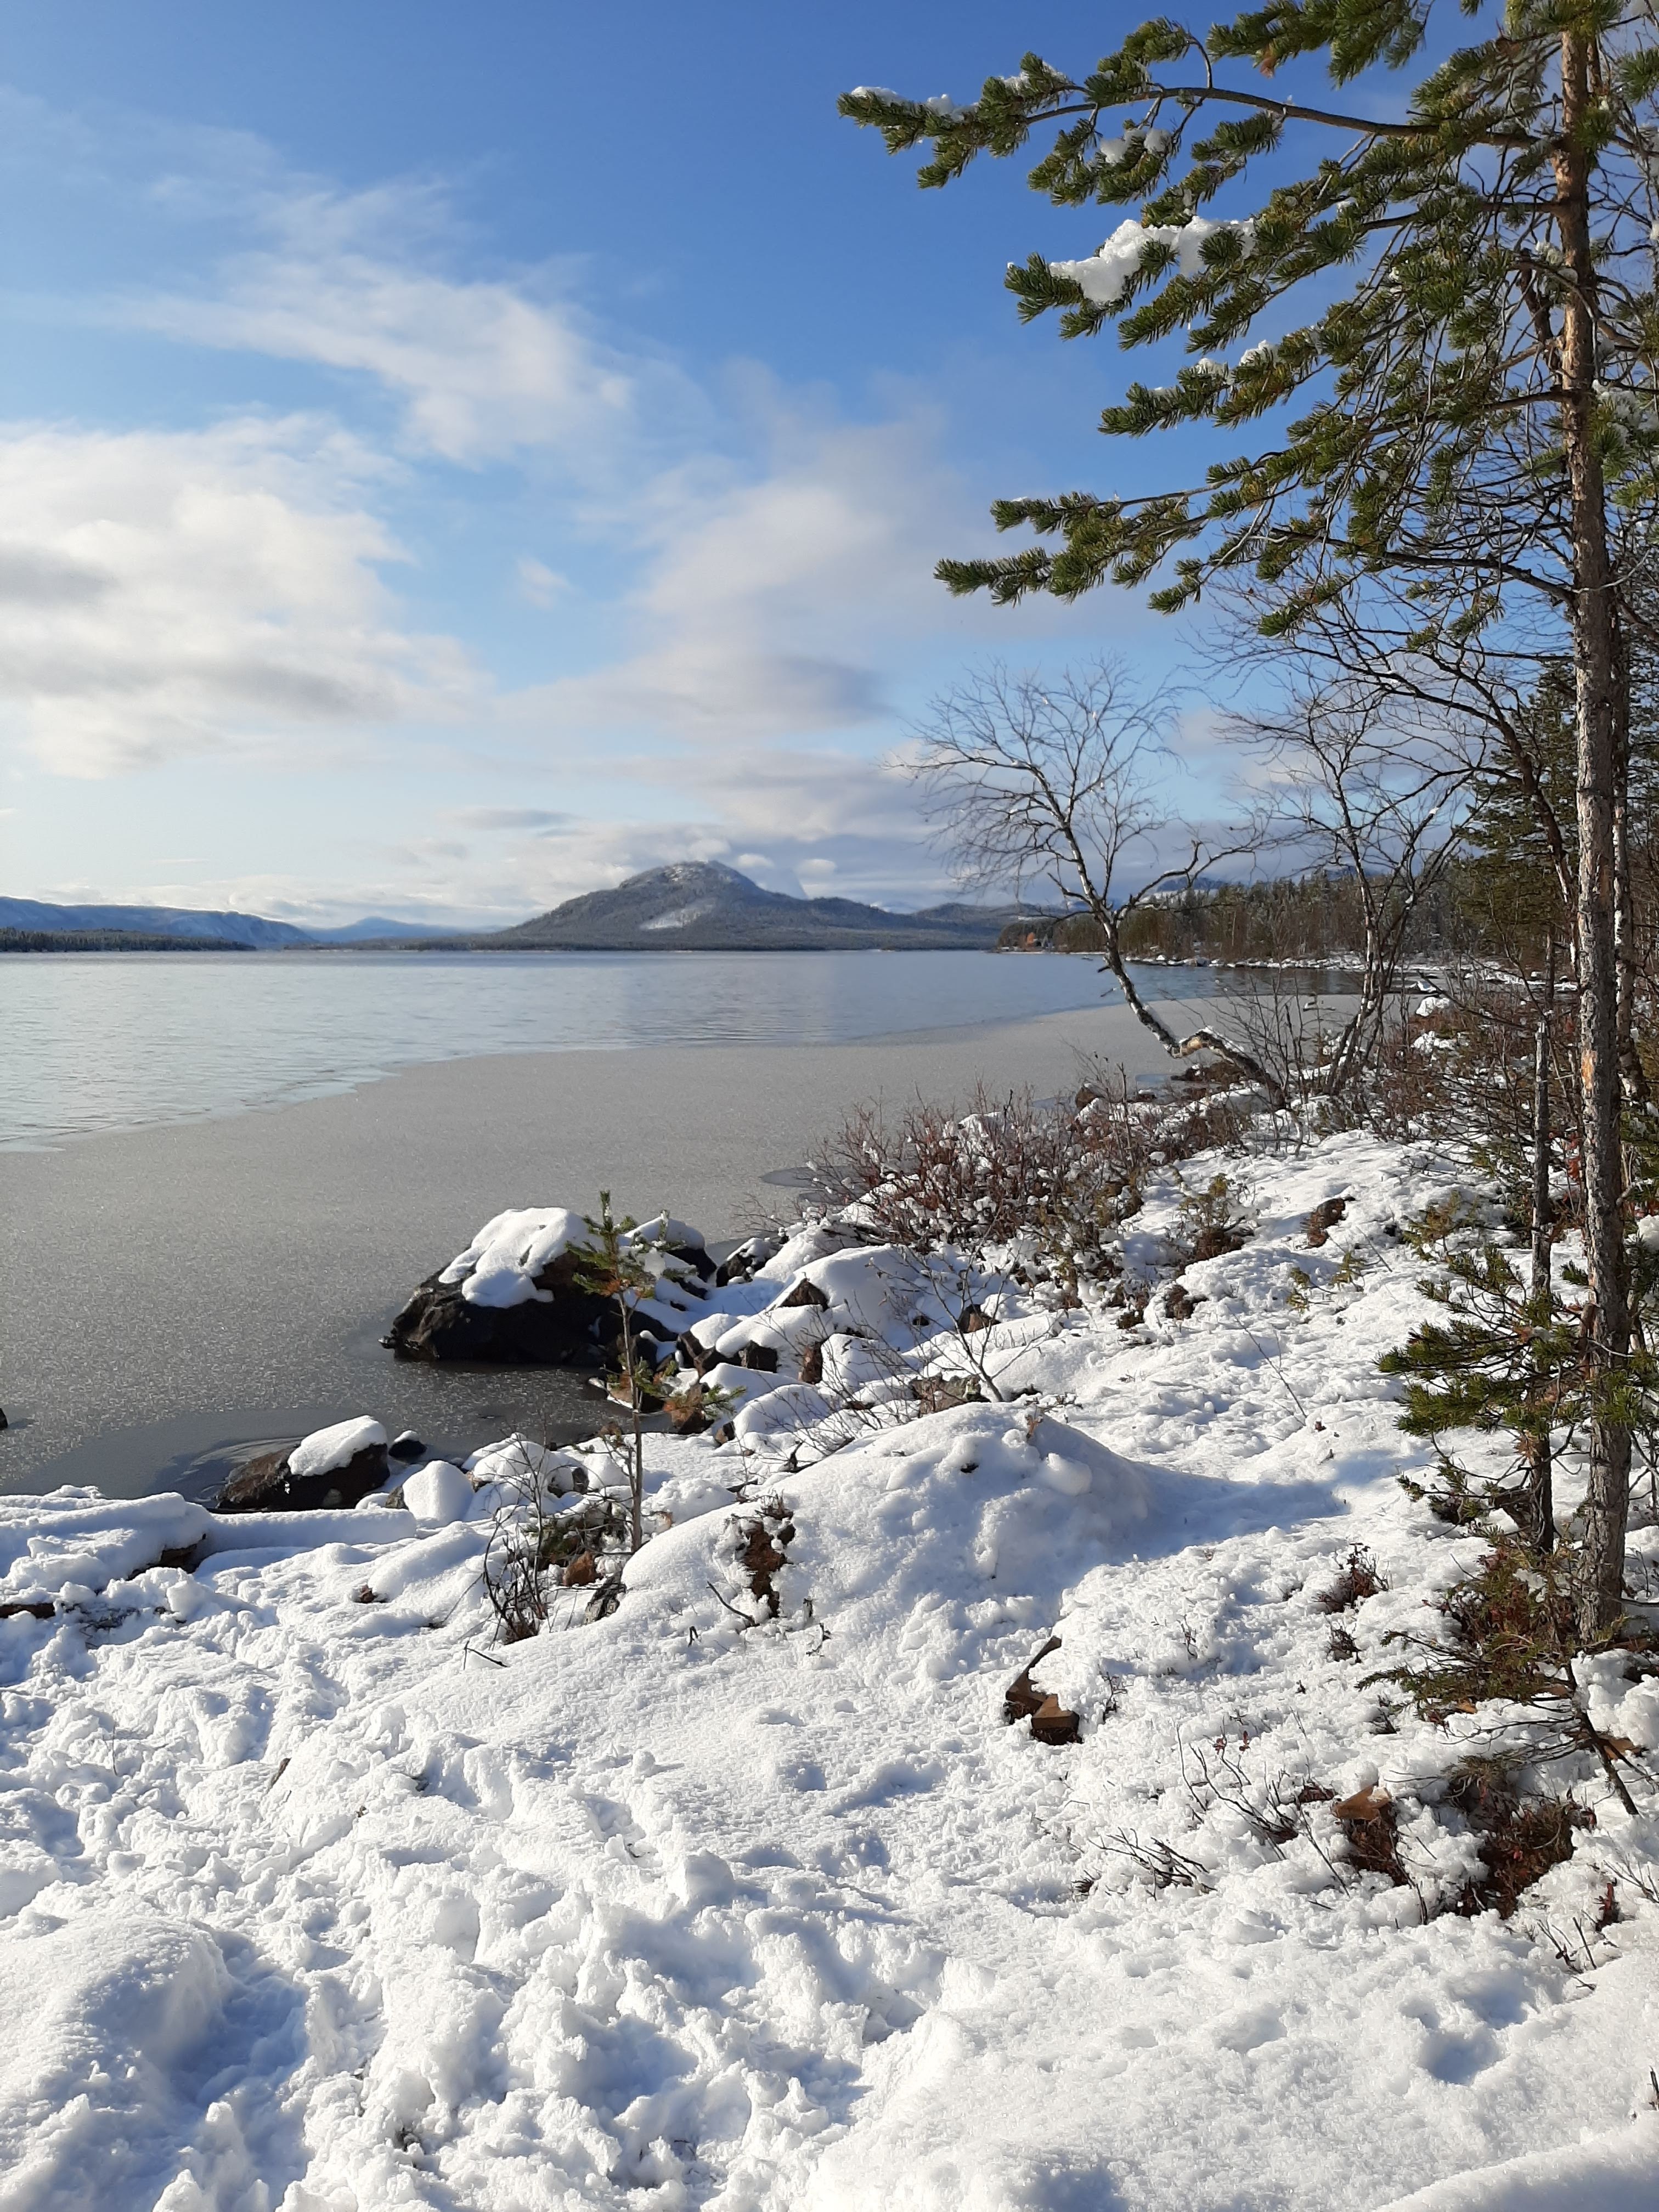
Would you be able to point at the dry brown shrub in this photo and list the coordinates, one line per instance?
(1519, 1838)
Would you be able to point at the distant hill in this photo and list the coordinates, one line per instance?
(376, 929)
(249, 929)
(693, 906)
(700, 906)
(193, 924)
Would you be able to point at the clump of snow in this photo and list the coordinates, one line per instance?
(1103, 275)
(520, 1459)
(502, 1264)
(438, 1491)
(680, 917)
(325, 1449)
(499, 1267)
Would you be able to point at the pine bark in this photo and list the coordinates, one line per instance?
(1537, 1515)
(1595, 666)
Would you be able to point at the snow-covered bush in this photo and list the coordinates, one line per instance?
(558, 1520)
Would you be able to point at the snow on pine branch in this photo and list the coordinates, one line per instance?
(1103, 277)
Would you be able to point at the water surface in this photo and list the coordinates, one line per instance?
(99, 1043)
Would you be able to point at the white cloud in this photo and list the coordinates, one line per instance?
(482, 368)
(511, 818)
(776, 602)
(539, 585)
(170, 594)
(749, 578)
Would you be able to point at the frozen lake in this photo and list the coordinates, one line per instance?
(219, 1175)
(95, 1043)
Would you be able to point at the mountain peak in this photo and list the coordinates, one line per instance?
(708, 906)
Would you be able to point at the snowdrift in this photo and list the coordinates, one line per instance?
(751, 1896)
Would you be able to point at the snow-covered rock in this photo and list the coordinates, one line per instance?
(511, 1297)
(335, 1466)
(438, 1491)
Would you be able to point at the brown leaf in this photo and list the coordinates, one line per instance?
(1370, 1804)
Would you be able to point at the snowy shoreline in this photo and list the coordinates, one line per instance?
(318, 1899)
(177, 1246)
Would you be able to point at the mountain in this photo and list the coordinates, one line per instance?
(694, 906)
(701, 906)
(376, 929)
(191, 924)
(153, 921)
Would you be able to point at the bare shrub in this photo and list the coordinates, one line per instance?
(534, 1551)
(1519, 1838)
(1359, 1579)
(1041, 1189)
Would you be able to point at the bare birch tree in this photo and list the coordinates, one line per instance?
(1054, 779)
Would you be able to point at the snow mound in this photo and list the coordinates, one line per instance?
(1618, 2175)
(438, 1491)
(502, 1265)
(748, 1896)
(499, 1267)
(103, 2012)
(76, 1539)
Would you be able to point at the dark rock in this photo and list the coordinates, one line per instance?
(1323, 1218)
(805, 1293)
(563, 1331)
(266, 1485)
(740, 1265)
(1052, 1724)
(3, 1422)
(760, 1358)
(408, 1446)
(604, 1601)
(571, 1327)
(694, 1354)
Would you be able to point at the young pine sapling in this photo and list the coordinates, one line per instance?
(613, 1265)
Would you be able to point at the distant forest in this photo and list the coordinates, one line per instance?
(1316, 918)
(110, 940)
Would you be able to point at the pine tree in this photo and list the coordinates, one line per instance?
(1474, 375)
(1515, 879)
(611, 1264)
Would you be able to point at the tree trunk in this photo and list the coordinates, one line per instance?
(1631, 1073)
(1205, 1040)
(637, 1461)
(1595, 661)
(1536, 1515)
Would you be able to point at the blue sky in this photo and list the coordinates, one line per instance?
(454, 458)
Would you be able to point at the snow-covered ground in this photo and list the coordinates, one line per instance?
(317, 1898)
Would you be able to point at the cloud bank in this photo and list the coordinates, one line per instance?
(677, 617)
